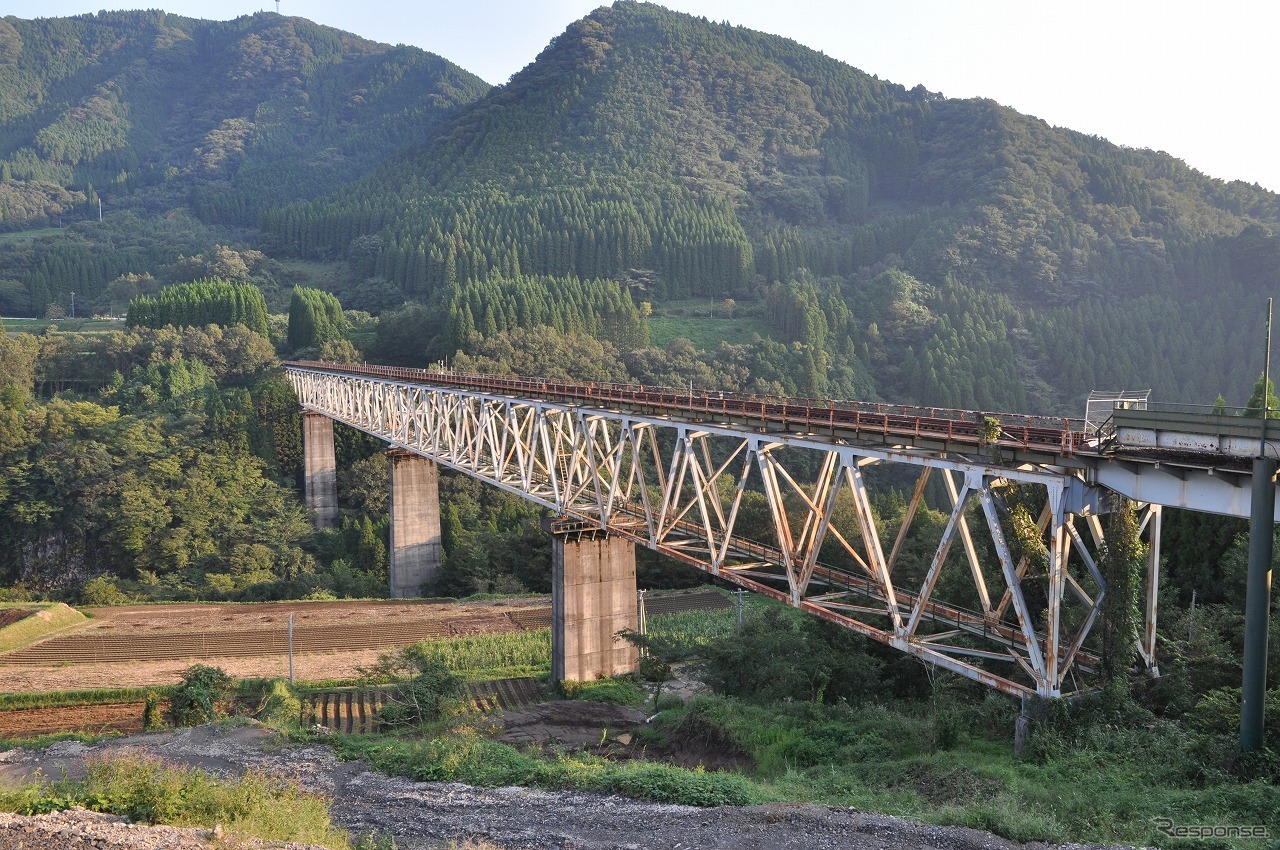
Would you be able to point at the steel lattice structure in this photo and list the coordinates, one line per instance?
(679, 478)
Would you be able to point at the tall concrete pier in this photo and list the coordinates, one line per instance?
(593, 597)
(320, 468)
(416, 556)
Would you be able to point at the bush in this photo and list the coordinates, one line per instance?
(103, 591)
(662, 783)
(195, 700)
(281, 708)
(428, 696)
(151, 718)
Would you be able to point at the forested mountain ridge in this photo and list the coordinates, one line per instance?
(989, 259)
(949, 252)
(150, 111)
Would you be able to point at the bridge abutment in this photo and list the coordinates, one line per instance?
(320, 468)
(416, 556)
(593, 597)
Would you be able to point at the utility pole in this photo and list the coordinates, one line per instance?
(99, 210)
(1257, 600)
(73, 305)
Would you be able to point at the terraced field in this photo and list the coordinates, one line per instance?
(138, 645)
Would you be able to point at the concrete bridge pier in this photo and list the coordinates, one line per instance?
(416, 556)
(593, 597)
(320, 468)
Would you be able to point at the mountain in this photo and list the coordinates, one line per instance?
(150, 111)
(991, 259)
(957, 252)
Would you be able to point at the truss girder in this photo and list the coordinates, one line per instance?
(682, 488)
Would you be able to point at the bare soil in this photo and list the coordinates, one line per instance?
(133, 620)
(139, 640)
(140, 674)
(33, 722)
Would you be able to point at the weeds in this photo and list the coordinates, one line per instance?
(492, 656)
(613, 691)
(56, 699)
(151, 791)
(463, 755)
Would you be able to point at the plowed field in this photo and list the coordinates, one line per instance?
(140, 645)
(31, 722)
(144, 645)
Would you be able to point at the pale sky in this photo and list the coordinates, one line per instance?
(1194, 79)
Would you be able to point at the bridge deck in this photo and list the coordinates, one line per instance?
(866, 422)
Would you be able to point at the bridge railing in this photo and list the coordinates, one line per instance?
(1060, 435)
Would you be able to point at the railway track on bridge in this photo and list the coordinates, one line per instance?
(873, 421)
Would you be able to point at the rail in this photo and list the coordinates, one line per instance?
(1053, 435)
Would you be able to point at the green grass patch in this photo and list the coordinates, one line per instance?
(463, 755)
(695, 629)
(613, 691)
(148, 790)
(505, 655)
(1109, 786)
(331, 276)
(705, 332)
(40, 742)
(60, 699)
(23, 237)
(46, 620)
(78, 325)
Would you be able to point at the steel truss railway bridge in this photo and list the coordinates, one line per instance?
(677, 470)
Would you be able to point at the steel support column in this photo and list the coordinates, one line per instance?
(1257, 606)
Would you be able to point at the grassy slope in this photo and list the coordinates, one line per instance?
(705, 332)
(47, 620)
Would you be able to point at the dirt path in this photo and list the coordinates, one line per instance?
(420, 815)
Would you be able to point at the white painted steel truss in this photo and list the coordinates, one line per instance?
(1016, 616)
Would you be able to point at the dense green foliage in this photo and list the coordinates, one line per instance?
(155, 470)
(195, 700)
(967, 255)
(207, 302)
(159, 117)
(315, 318)
(141, 107)
(595, 308)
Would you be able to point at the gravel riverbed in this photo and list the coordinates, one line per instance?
(420, 815)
